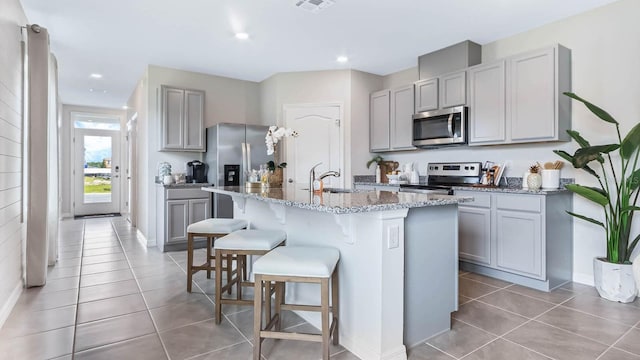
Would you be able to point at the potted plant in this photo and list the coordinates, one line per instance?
(271, 139)
(617, 194)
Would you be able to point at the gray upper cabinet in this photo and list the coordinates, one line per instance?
(426, 95)
(453, 89)
(487, 107)
(379, 121)
(401, 121)
(182, 117)
(539, 110)
(520, 100)
(445, 91)
(390, 121)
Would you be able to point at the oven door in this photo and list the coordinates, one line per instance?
(443, 127)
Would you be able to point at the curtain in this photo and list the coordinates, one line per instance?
(37, 151)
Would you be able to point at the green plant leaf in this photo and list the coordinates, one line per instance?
(586, 218)
(596, 195)
(578, 138)
(584, 156)
(594, 109)
(376, 159)
(631, 142)
(634, 180)
(632, 246)
(629, 208)
(565, 155)
(591, 171)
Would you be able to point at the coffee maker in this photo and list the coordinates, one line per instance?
(196, 172)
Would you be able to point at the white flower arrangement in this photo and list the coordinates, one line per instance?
(276, 134)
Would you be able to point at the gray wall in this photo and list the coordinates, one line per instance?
(11, 161)
(226, 100)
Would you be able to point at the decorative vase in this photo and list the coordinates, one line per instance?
(534, 181)
(167, 180)
(275, 179)
(614, 282)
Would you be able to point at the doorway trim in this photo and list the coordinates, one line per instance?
(341, 137)
(74, 156)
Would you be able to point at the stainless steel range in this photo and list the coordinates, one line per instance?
(442, 176)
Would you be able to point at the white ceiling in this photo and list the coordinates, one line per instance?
(119, 38)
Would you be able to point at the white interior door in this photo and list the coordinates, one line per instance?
(319, 140)
(97, 172)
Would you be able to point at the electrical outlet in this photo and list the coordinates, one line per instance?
(393, 236)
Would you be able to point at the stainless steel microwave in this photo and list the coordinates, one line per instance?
(440, 127)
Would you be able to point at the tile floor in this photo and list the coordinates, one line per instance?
(110, 298)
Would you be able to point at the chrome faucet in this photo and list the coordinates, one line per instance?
(329, 173)
(312, 175)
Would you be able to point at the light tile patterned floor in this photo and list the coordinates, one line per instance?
(110, 298)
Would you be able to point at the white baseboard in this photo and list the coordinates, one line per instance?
(143, 239)
(586, 279)
(10, 303)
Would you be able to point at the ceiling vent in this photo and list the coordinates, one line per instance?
(314, 6)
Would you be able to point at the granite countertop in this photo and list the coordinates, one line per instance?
(509, 185)
(342, 202)
(183, 186)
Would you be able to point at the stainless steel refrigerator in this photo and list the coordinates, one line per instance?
(232, 150)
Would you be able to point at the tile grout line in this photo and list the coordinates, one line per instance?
(618, 340)
(75, 322)
(211, 300)
(153, 322)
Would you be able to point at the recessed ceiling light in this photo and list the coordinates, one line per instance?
(242, 36)
(342, 59)
(90, 90)
(124, 107)
(95, 76)
(104, 91)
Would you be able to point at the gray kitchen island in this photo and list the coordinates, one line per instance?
(398, 258)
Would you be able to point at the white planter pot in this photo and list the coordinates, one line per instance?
(636, 271)
(614, 282)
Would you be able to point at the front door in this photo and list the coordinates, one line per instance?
(318, 140)
(97, 172)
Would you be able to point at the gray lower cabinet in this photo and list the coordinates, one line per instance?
(177, 209)
(474, 231)
(520, 99)
(522, 238)
(182, 114)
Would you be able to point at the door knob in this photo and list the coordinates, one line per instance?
(290, 180)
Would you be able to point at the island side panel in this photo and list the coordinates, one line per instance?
(371, 274)
(431, 272)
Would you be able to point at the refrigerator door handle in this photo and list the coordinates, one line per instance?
(244, 167)
(249, 165)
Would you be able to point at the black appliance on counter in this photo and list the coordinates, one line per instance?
(442, 176)
(196, 172)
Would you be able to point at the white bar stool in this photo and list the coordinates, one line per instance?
(296, 264)
(240, 244)
(211, 229)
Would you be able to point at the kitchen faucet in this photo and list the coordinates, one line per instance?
(312, 175)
